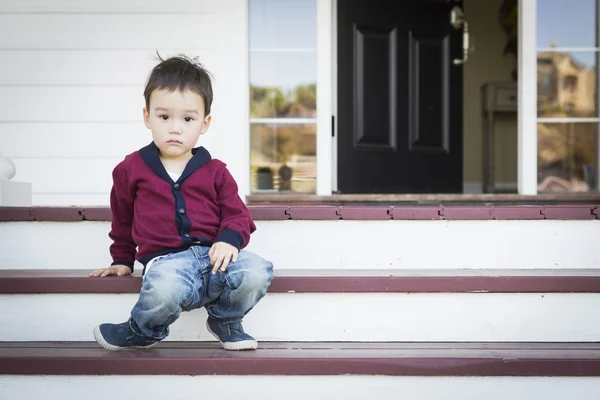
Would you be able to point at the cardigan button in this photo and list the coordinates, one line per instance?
(176, 186)
(181, 211)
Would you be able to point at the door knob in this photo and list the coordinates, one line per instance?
(457, 20)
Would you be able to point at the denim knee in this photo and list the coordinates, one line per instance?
(256, 277)
(165, 289)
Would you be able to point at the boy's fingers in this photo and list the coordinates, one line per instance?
(217, 264)
(107, 272)
(235, 256)
(225, 263)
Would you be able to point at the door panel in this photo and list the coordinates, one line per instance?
(399, 97)
(375, 118)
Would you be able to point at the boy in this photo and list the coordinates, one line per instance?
(182, 210)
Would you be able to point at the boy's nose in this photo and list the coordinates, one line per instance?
(175, 128)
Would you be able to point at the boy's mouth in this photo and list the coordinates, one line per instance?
(174, 142)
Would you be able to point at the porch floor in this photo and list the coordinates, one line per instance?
(434, 198)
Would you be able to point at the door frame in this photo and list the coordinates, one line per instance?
(527, 149)
(327, 171)
(326, 97)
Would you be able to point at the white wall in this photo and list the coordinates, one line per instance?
(72, 76)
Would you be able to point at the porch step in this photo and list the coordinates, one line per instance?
(395, 359)
(340, 244)
(298, 387)
(298, 371)
(17, 281)
(337, 306)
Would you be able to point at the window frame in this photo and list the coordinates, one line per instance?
(322, 50)
(528, 13)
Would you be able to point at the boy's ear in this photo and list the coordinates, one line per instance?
(206, 124)
(146, 117)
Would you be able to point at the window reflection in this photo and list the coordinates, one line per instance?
(283, 85)
(566, 84)
(283, 157)
(566, 157)
(283, 76)
(566, 23)
(283, 24)
(269, 102)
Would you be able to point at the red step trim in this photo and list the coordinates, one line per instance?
(396, 359)
(332, 281)
(335, 212)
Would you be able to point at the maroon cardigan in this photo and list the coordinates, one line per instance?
(159, 216)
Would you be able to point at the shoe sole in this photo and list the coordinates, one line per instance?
(111, 347)
(235, 346)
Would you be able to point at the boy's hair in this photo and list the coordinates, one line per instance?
(180, 73)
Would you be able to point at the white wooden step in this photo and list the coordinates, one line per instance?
(348, 387)
(551, 317)
(341, 244)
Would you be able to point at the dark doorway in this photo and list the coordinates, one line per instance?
(399, 97)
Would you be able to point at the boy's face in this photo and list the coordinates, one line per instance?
(176, 120)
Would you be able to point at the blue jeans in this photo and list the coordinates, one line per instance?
(184, 281)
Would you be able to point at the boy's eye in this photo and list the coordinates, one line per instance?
(163, 117)
(188, 119)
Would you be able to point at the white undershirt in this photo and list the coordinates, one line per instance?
(173, 175)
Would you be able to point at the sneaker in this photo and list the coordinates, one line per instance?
(231, 335)
(115, 337)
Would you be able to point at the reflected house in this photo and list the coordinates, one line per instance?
(566, 151)
(287, 150)
(564, 85)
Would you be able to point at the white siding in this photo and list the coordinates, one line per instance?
(93, 67)
(71, 86)
(107, 6)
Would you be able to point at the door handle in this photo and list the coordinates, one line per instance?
(457, 20)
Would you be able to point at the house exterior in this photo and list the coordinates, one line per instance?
(72, 97)
(355, 130)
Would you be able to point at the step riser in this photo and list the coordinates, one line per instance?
(298, 387)
(339, 244)
(560, 317)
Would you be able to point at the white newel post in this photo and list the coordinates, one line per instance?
(12, 194)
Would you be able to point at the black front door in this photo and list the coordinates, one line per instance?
(399, 97)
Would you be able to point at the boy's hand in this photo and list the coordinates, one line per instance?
(117, 269)
(221, 254)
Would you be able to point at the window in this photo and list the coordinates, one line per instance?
(283, 75)
(568, 117)
(570, 83)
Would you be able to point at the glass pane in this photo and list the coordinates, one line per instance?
(566, 84)
(283, 85)
(566, 157)
(565, 23)
(283, 24)
(283, 157)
